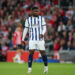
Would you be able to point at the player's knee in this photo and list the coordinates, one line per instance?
(31, 52)
(42, 53)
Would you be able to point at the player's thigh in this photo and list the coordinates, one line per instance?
(31, 51)
(32, 45)
(42, 52)
(41, 45)
(19, 46)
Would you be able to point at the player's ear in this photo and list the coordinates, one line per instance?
(31, 12)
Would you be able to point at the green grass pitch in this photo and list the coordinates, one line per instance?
(37, 69)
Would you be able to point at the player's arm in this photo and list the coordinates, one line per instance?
(24, 33)
(25, 30)
(43, 28)
(14, 39)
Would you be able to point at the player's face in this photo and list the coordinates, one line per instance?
(35, 12)
(19, 28)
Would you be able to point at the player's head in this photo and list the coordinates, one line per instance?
(35, 11)
(18, 28)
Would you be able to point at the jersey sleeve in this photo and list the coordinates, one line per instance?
(43, 21)
(14, 38)
(26, 23)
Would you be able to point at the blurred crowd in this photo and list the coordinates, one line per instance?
(60, 33)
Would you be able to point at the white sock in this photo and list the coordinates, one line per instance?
(29, 69)
(46, 67)
(18, 58)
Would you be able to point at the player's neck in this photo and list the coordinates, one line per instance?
(35, 15)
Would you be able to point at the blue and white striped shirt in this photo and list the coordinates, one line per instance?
(35, 25)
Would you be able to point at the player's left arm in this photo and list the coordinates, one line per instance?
(25, 30)
(43, 28)
(14, 39)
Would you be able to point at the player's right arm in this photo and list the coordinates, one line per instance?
(14, 39)
(43, 28)
(25, 30)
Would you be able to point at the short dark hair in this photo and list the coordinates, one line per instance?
(33, 8)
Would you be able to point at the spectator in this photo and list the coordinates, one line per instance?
(65, 36)
(5, 48)
(56, 45)
(69, 25)
(73, 21)
(70, 36)
(0, 51)
(61, 27)
(50, 41)
(60, 24)
(73, 45)
(73, 36)
(62, 45)
(70, 12)
(69, 47)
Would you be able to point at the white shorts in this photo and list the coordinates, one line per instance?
(37, 45)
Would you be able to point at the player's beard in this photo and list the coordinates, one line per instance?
(35, 15)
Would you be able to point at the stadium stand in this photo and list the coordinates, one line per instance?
(60, 33)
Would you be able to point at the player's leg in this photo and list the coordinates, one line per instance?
(30, 59)
(32, 47)
(16, 59)
(19, 52)
(44, 57)
(41, 47)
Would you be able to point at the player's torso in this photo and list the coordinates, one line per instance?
(35, 27)
(18, 37)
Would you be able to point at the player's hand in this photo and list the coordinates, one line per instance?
(22, 42)
(14, 46)
(41, 36)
